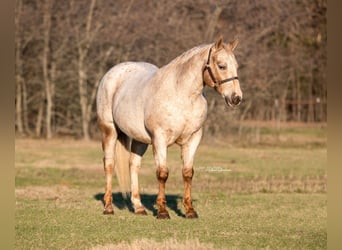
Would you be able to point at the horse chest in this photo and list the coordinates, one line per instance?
(194, 119)
(178, 121)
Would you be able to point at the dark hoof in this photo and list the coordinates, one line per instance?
(192, 215)
(140, 211)
(163, 215)
(108, 211)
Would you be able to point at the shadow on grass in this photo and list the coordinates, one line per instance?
(148, 200)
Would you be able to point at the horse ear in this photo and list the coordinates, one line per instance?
(219, 42)
(232, 45)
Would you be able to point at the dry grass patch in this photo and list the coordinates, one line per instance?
(58, 153)
(40, 193)
(149, 244)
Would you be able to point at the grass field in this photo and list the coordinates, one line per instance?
(266, 196)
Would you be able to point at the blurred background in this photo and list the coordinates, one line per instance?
(63, 48)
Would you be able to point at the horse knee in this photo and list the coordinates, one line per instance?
(108, 165)
(162, 174)
(187, 174)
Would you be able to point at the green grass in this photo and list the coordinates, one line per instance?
(292, 221)
(247, 198)
(56, 176)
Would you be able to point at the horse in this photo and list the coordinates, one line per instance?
(139, 104)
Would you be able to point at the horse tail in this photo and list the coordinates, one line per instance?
(122, 153)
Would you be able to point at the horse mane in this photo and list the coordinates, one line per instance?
(179, 67)
(186, 56)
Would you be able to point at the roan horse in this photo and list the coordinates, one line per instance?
(139, 104)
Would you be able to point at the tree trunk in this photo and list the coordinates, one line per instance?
(310, 96)
(82, 88)
(46, 55)
(25, 109)
(18, 72)
(209, 35)
(39, 118)
(18, 111)
(310, 103)
(294, 95)
(282, 104)
(83, 48)
(299, 100)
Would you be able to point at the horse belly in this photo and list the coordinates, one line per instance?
(132, 125)
(128, 115)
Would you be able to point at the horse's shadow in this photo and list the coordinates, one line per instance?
(148, 200)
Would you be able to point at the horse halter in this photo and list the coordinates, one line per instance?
(217, 83)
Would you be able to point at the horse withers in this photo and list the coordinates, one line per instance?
(140, 104)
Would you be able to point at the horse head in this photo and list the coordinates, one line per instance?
(220, 71)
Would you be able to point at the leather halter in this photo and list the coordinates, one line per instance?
(207, 67)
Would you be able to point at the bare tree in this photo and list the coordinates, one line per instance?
(48, 67)
(18, 72)
(281, 56)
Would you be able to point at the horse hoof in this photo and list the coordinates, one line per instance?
(192, 215)
(163, 216)
(140, 211)
(108, 211)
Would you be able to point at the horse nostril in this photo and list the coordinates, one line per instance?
(236, 99)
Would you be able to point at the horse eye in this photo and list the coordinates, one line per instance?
(222, 66)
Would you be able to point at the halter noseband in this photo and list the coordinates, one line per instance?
(207, 67)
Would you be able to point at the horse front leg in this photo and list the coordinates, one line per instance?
(109, 137)
(188, 154)
(162, 173)
(138, 149)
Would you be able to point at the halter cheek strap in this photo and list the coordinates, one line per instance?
(207, 67)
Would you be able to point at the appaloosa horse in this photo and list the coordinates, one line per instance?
(139, 104)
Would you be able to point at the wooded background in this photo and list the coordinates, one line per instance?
(63, 48)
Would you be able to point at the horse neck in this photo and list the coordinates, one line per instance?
(190, 74)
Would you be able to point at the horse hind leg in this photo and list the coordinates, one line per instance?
(109, 137)
(138, 149)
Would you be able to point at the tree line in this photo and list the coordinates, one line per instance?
(63, 48)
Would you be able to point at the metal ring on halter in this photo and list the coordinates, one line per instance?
(207, 67)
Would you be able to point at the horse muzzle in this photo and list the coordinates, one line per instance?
(234, 100)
